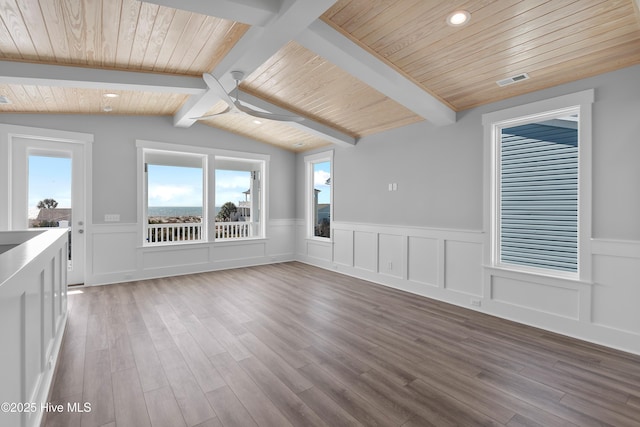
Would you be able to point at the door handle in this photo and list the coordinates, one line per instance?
(81, 231)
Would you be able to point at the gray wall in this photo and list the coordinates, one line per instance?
(439, 171)
(114, 157)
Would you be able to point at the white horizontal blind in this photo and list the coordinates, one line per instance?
(539, 196)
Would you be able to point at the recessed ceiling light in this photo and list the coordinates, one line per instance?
(458, 18)
(258, 122)
(4, 100)
(111, 95)
(107, 109)
(298, 144)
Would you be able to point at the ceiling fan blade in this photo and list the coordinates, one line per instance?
(208, 116)
(268, 116)
(215, 86)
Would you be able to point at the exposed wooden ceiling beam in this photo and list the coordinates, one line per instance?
(322, 39)
(24, 73)
(257, 45)
(252, 12)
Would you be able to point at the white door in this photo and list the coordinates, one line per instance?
(42, 171)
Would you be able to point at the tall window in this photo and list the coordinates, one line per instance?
(238, 198)
(319, 194)
(541, 177)
(174, 197)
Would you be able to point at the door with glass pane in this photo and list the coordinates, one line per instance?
(48, 191)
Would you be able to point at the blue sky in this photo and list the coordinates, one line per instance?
(49, 178)
(182, 186)
(321, 172)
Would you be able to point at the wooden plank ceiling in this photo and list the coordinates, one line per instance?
(554, 41)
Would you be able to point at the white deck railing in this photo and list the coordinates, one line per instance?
(192, 231)
(233, 230)
(174, 232)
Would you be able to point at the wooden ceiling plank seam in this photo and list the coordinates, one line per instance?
(47, 98)
(144, 28)
(459, 41)
(366, 29)
(583, 67)
(212, 47)
(32, 17)
(111, 12)
(231, 37)
(12, 18)
(409, 22)
(497, 44)
(177, 26)
(55, 26)
(343, 8)
(93, 31)
(60, 95)
(7, 46)
(20, 96)
(199, 41)
(75, 30)
(427, 26)
(565, 51)
(361, 16)
(184, 44)
(569, 42)
(560, 36)
(161, 24)
(475, 37)
(127, 31)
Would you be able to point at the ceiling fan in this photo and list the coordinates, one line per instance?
(234, 106)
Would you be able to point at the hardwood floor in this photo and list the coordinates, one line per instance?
(290, 344)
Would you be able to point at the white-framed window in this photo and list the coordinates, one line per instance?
(319, 194)
(239, 200)
(183, 189)
(175, 193)
(540, 186)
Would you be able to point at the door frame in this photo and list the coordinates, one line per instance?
(8, 136)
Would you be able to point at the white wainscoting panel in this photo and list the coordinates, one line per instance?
(234, 251)
(535, 296)
(448, 265)
(343, 247)
(365, 250)
(114, 251)
(616, 292)
(463, 267)
(391, 255)
(423, 260)
(320, 250)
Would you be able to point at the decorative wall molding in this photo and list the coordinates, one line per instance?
(448, 265)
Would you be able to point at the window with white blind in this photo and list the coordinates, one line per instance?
(539, 194)
(540, 186)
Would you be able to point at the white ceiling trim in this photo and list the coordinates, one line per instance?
(338, 49)
(252, 12)
(23, 73)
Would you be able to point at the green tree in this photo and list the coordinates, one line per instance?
(47, 204)
(226, 212)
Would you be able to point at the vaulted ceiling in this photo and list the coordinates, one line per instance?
(351, 68)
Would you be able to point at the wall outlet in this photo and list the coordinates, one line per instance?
(476, 302)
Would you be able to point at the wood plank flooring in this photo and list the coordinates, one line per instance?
(294, 345)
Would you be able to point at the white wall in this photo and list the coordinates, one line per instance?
(428, 236)
(114, 252)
